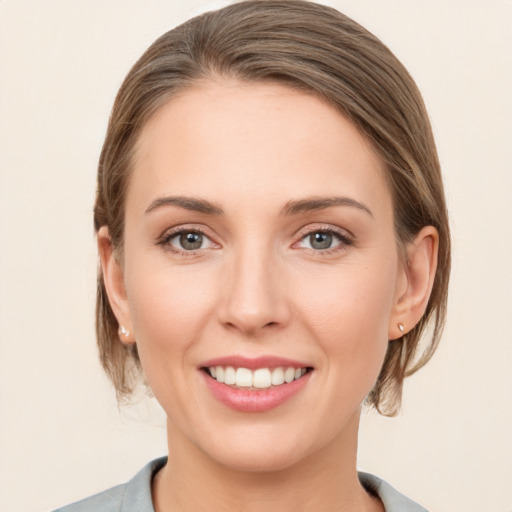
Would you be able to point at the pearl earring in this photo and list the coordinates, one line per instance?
(401, 326)
(124, 331)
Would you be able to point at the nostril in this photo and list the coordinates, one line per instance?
(248, 324)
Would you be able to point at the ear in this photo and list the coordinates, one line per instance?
(113, 278)
(418, 274)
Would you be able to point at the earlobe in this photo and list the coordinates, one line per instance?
(125, 335)
(419, 270)
(113, 278)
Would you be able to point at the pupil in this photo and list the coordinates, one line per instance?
(320, 240)
(191, 241)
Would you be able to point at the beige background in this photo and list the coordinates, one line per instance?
(61, 434)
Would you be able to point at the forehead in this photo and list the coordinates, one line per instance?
(253, 140)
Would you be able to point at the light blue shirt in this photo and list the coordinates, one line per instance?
(135, 495)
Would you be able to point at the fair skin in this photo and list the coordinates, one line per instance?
(259, 224)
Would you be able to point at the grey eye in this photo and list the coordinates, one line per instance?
(187, 240)
(191, 241)
(320, 240)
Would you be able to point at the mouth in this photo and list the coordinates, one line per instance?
(255, 384)
(255, 379)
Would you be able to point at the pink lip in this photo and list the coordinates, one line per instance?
(250, 400)
(253, 363)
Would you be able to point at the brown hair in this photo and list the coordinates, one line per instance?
(316, 49)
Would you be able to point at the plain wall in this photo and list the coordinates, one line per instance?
(62, 436)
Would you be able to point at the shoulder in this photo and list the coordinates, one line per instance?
(133, 496)
(106, 501)
(393, 501)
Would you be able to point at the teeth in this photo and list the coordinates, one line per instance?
(229, 376)
(262, 378)
(278, 377)
(289, 375)
(243, 378)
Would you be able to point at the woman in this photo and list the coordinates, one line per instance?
(273, 239)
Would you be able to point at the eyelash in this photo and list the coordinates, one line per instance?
(345, 240)
(165, 240)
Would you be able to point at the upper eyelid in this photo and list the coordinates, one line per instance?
(330, 228)
(183, 228)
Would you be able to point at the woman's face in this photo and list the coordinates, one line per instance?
(259, 236)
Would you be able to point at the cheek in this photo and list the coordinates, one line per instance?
(169, 310)
(350, 300)
(348, 313)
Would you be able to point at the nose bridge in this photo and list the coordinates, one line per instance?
(254, 297)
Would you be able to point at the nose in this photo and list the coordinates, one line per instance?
(254, 294)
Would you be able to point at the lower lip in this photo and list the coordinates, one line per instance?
(249, 400)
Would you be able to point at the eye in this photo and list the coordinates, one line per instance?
(323, 240)
(188, 241)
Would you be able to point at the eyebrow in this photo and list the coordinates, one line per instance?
(188, 203)
(290, 208)
(320, 203)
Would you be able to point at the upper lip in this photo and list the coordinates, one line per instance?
(253, 363)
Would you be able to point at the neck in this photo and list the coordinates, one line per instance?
(325, 481)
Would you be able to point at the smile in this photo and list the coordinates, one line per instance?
(255, 385)
(260, 378)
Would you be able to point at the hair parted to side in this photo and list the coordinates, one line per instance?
(318, 50)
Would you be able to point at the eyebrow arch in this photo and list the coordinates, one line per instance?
(320, 203)
(188, 203)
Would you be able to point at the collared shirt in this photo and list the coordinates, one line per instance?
(135, 495)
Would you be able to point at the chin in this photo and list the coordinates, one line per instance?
(268, 448)
(257, 460)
